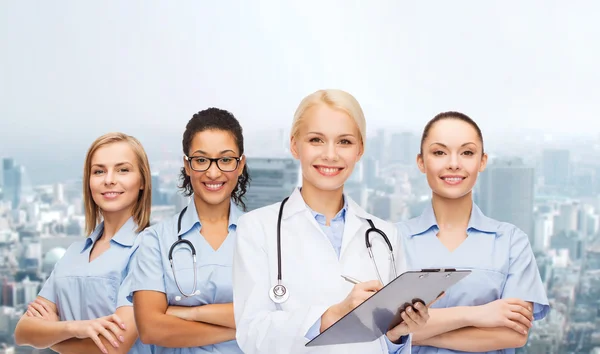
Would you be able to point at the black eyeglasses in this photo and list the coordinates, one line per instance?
(201, 163)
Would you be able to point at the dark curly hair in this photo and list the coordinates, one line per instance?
(215, 119)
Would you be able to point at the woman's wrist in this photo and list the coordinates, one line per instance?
(331, 315)
(70, 327)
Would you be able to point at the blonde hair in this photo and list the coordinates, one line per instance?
(141, 211)
(335, 99)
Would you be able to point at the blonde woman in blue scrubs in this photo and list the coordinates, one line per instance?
(83, 306)
(187, 307)
(492, 310)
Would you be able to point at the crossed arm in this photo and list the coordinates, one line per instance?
(216, 314)
(40, 327)
(498, 325)
(177, 327)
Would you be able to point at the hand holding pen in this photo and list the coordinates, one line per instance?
(360, 292)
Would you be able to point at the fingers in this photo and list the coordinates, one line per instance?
(44, 305)
(522, 310)
(116, 319)
(519, 302)
(98, 342)
(39, 308)
(371, 285)
(517, 317)
(515, 326)
(420, 318)
(408, 320)
(114, 329)
(101, 330)
(422, 310)
(363, 291)
(34, 311)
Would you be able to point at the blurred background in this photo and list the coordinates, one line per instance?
(526, 72)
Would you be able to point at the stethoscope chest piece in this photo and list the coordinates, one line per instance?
(279, 294)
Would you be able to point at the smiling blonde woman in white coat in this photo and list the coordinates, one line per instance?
(322, 238)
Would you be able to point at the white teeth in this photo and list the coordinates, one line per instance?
(453, 179)
(328, 170)
(111, 194)
(214, 186)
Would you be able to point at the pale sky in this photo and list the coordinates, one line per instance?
(73, 70)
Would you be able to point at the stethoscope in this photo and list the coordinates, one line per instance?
(279, 293)
(192, 250)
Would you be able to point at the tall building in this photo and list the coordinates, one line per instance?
(404, 148)
(272, 179)
(543, 231)
(16, 184)
(158, 197)
(567, 218)
(9, 293)
(355, 187)
(370, 171)
(8, 165)
(556, 167)
(377, 148)
(59, 193)
(506, 193)
(570, 240)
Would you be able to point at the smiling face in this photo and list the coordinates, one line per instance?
(328, 145)
(115, 178)
(213, 186)
(452, 158)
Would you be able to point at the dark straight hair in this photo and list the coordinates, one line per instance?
(450, 115)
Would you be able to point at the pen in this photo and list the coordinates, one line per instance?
(350, 279)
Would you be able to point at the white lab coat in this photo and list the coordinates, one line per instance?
(310, 271)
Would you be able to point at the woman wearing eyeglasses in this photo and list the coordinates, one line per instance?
(182, 277)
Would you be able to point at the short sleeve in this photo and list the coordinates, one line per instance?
(123, 298)
(48, 290)
(146, 268)
(405, 342)
(314, 330)
(524, 281)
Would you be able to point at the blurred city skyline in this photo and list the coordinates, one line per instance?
(526, 72)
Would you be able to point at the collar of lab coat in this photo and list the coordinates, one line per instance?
(296, 204)
(355, 216)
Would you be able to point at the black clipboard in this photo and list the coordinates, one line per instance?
(381, 312)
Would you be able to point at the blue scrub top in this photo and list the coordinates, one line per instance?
(152, 270)
(84, 290)
(498, 253)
